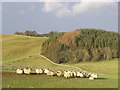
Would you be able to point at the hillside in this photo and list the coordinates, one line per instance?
(109, 79)
(81, 45)
(21, 51)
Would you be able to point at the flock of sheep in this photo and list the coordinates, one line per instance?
(59, 73)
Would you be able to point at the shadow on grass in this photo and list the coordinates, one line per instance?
(34, 73)
(101, 78)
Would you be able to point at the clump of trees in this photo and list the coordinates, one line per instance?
(82, 45)
(31, 33)
(27, 33)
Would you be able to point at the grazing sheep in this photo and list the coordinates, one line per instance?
(46, 71)
(60, 73)
(27, 70)
(39, 71)
(81, 75)
(88, 75)
(85, 75)
(71, 74)
(91, 78)
(51, 73)
(78, 74)
(19, 71)
(94, 75)
(74, 73)
(67, 74)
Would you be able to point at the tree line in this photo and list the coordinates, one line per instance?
(82, 45)
(34, 33)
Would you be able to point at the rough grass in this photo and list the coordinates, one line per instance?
(17, 48)
(12, 80)
(24, 51)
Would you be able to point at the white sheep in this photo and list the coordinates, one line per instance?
(88, 75)
(46, 71)
(39, 71)
(19, 71)
(78, 74)
(67, 74)
(85, 75)
(50, 73)
(60, 73)
(94, 75)
(27, 70)
(71, 74)
(74, 73)
(81, 75)
(91, 78)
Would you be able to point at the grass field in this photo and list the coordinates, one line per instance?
(22, 51)
(17, 48)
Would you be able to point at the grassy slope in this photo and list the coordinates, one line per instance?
(44, 81)
(23, 51)
(108, 80)
(17, 48)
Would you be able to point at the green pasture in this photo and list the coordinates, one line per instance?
(22, 51)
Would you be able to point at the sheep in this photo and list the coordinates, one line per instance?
(93, 76)
(60, 73)
(50, 73)
(67, 74)
(81, 75)
(39, 71)
(19, 71)
(78, 74)
(96, 76)
(55, 73)
(46, 71)
(74, 73)
(88, 75)
(27, 70)
(85, 75)
(71, 74)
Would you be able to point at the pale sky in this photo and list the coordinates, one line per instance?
(46, 16)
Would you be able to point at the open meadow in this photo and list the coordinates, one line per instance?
(22, 51)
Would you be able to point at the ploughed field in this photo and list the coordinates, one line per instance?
(22, 51)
